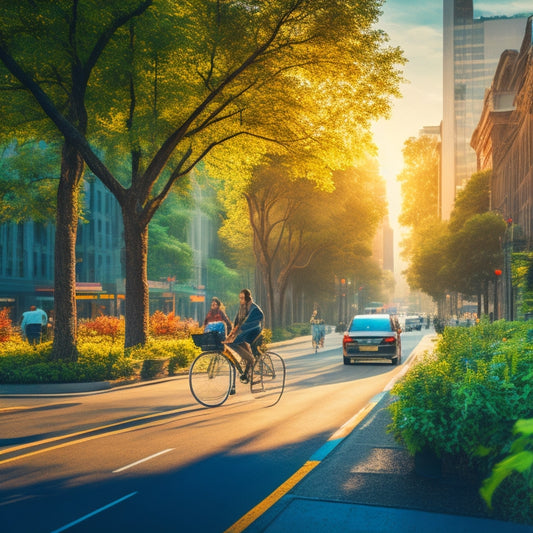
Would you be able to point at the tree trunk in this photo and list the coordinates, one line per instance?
(65, 312)
(486, 298)
(137, 295)
(271, 306)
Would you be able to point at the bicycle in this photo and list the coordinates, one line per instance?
(212, 375)
(318, 332)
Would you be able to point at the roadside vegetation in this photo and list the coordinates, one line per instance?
(468, 402)
(102, 356)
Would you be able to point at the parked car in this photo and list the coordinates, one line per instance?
(372, 337)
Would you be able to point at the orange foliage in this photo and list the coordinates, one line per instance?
(6, 327)
(170, 325)
(104, 325)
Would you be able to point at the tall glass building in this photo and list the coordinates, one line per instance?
(472, 49)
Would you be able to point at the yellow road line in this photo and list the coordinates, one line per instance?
(270, 500)
(315, 460)
(77, 434)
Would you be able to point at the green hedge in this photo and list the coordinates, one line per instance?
(100, 359)
(462, 400)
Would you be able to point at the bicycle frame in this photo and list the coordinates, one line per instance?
(233, 359)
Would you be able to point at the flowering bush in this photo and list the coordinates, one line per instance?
(6, 327)
(109, 326)
(170, 325)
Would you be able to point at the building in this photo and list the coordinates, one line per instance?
(503, 142)
(471, 51)
(27, 259)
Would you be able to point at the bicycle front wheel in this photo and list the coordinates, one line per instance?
(268, 378)
(211, 378)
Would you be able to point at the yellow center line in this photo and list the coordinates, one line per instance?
(77, 434)
(270, 500)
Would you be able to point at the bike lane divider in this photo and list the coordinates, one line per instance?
(335, 439)
(93, 513)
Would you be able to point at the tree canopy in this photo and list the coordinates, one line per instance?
(298, 230)
(164, 84)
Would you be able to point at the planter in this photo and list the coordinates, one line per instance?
(154, 368)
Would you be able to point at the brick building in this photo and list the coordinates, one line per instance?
(503, 142)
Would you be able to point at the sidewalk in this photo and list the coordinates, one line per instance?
(368, 484)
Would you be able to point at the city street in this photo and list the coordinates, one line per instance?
(149, 458)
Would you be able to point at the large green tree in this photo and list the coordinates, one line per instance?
(294, 226)
(49, 51)
(185, 78)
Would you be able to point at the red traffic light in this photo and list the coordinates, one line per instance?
(498, 272)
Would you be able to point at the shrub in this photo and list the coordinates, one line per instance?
(6, 327)
(109, 326)
(469, 392)
(170, 325)
(467, 395)
(513, 475)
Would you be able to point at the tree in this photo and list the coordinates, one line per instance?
(474, 253)
(49, 52)
(293, 225)
(419, 182)
(424, 247)
(428, 267)
(184, 79)
(28, 182)
(473, 199)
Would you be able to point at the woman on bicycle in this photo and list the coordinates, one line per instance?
(247, 327)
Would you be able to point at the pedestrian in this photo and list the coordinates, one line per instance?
(246, 329)
(217, 318)
(318, 327)
(32, 324)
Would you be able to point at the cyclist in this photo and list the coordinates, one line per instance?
(247, 327)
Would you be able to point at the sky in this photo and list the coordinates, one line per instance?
(416, 27)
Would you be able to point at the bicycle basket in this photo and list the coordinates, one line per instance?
(208, 341)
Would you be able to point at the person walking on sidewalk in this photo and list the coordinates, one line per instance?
(32, 324)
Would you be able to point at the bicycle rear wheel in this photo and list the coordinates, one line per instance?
(211, 378)
(268, 378)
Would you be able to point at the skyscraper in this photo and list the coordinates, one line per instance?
(472, 49)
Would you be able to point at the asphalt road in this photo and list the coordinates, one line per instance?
(151, 459)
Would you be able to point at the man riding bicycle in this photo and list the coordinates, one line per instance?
(246, 329)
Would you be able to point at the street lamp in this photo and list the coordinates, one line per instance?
(497, 274)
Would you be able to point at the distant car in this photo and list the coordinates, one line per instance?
(413, 323)
(372, 337)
